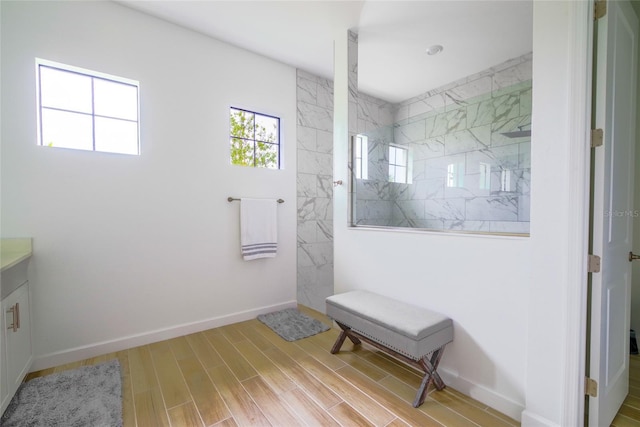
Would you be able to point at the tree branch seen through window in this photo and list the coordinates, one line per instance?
(255, 139)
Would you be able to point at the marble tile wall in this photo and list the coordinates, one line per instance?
(314, 189)
(466, 174)
(315, 178)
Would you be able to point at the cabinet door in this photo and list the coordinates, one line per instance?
(18, 339)
(4, 386)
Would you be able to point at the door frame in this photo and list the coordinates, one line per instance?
(580, 101)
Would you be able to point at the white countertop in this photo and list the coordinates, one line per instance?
(14, 251)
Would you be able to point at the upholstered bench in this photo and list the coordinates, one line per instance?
(405, 331)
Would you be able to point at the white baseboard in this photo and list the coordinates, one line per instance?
(97, 349)
(530, 419)
(489, 397)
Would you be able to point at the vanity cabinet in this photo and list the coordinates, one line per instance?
(17, 338)
(16, 352)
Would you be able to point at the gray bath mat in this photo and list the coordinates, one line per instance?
(292, 325)
(90, 396)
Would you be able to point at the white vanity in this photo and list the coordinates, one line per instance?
(16, 353)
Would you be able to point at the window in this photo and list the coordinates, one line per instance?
(398, 160)
(360, 156)
(86, 110)
(255, 139)
(455, 175)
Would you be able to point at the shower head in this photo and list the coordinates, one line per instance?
(518, 133)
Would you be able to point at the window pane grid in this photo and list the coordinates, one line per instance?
(398, 164)
(255, 139)
(64, 98)
(360, 154)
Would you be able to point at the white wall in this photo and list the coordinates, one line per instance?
(131, 249)
(506, 296)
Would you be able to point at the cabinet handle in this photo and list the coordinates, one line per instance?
(13, 310)
(17, 321)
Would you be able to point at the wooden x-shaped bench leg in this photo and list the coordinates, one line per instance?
(429, 366)
(344, 334)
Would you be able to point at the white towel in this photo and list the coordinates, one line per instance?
(258, 228)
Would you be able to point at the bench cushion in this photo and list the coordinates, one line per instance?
(410, 330)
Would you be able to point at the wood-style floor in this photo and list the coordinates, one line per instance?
(629, 413)
(246, 375)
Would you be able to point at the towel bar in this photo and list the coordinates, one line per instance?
(233, 199)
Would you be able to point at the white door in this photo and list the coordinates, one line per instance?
(616, 76)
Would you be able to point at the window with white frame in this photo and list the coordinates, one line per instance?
(360, 156)
(255, 139)
(398, 162)
(86, 110)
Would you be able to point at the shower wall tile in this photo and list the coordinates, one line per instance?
(524, 155)
(428, 148)
(432, 224)
(314, 189)
(315, 254)
(306, 185)
(307, 232)
(314, 208)
(524, 182)
(498, 158)
(324, 97)
(410, 132)
(353, 123)
(473, 91)
(501, 208)
(524, 208)
(324, 231)
(445, 209)
(481, 113)
(306, 90)
(425, 107)
(314, 162)
(306, 138)
(373, 190)
(312, 116)
(512, 76)
(401, 112)
(449, 122)
(467, 140)
(324, 186)
(475, 226)
(369, 112)
(324, 142)
(374, 209)
(409, 209)
(525, 101)
(506, 107)
(315, 283)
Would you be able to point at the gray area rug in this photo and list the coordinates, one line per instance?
(90, 396)
(292, 325)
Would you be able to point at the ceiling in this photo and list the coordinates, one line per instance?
(393, 35)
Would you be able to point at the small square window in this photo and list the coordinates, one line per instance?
(360, 156)
(86, 110)
(254, 139)
(398, 164)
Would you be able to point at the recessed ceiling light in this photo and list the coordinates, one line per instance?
(434, 50)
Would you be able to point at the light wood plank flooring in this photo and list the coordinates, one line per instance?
(245, 375)
(629, 413)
